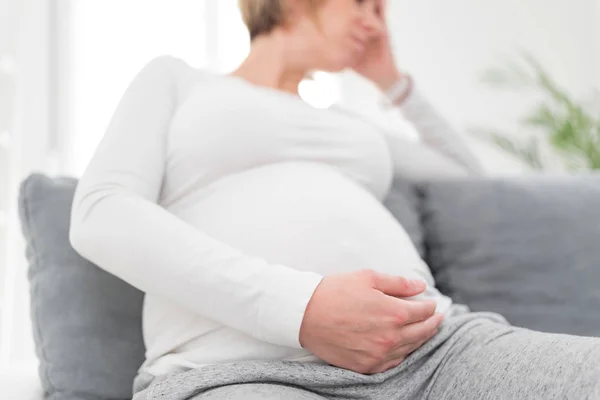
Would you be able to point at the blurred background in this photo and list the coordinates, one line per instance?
(519, 79)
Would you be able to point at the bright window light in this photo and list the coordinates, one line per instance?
(322, 91)
(109, 42)
(233, 40)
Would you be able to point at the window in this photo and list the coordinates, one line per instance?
(108, 43)
(7, 294)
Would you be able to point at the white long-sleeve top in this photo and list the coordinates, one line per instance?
(226, 203)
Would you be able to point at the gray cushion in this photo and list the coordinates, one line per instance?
(86, 322)
(403, 202)
(526, 248)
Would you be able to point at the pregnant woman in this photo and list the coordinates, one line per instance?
(254, 224)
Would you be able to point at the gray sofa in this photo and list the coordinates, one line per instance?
(527, 248)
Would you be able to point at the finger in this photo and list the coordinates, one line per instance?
(411, 311)
(399, 355)
(405, 350)
(415, 346)
(387, 365)
(397, 286)
(403, 353)
(421, 330)
(418, 332)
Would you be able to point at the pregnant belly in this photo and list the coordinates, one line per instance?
(306, 216)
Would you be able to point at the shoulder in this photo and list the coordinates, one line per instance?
(175, 68)
(174, 74)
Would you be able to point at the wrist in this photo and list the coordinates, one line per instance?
(400, 90)
(389, 79)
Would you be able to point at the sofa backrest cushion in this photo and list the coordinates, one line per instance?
(527, 248)
(86, 322)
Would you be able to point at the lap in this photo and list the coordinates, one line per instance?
(474, 356)
(490, 361)
(257, 391)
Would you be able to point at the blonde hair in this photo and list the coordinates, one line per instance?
(262, 16)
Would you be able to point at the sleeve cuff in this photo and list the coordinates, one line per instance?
(413, 103)
(282, 309)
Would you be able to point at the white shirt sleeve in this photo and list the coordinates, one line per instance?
(437, 133)
(118, 225)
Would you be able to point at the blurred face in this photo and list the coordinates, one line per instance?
(341, 32)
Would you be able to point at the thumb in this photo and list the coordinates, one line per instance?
(397, 286)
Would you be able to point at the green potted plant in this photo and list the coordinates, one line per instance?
(569, 127)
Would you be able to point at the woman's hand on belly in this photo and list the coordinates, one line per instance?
(359, 321)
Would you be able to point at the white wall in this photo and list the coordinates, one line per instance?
(469, 36)
(447, 45)
(596, 35)
(102, 62)
(8, 12)
(6, 99)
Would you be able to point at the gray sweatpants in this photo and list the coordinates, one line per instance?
(474, 356)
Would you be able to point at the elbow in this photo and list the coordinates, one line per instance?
(84, 226)
(82, 229)
(78, 237)
(90, 230)
(84, 238)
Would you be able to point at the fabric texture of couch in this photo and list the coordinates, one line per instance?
(526, 249)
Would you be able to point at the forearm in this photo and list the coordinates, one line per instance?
(148, 247)
(434, 130)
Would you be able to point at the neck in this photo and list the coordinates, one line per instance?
(271, 63)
